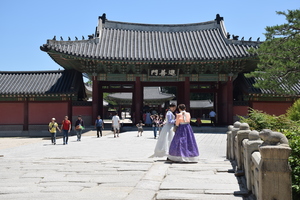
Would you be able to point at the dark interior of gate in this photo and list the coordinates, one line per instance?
(134, 99)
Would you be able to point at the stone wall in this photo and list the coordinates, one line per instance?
(262, 157)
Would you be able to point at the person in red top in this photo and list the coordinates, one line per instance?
(66, 128)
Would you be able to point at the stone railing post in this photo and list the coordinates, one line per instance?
(229, 143)
(241, 135)
(236, 127)
(250, 145)
(275, 172)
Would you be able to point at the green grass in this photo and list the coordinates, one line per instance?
(204, 121)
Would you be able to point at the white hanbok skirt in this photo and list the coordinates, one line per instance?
(164, 141)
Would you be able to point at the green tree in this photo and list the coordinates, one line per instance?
(279, 56)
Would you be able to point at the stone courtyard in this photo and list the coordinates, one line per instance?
(114, 168)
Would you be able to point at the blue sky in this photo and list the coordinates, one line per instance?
(27, 24)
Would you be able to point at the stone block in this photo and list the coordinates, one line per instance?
(274, 173)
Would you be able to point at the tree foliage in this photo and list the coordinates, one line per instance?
(279, 56)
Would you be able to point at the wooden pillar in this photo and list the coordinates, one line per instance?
(229, 100)
(70, 109)
(26, 115)
(186, 95)
(100, 102)
(95, 99)
(138, 99)
(218, 105)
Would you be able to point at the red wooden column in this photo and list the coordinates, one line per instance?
(230, 100)
(70, 109)
(186, 94)
(218, 103)
(100, 102)
(95, 96)
(138, 99)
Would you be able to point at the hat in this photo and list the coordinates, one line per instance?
(53, 119)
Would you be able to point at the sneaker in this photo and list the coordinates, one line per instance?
(64, 143)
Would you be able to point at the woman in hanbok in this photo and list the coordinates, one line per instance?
(166, 134)
(183, 147)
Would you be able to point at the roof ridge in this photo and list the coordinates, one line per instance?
(160, 27)
(31, 72)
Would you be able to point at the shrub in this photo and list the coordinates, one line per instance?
(258, 120)
(293, 112)
(294, 160)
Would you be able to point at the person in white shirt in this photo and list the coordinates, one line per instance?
(116, 124)
(212, 116)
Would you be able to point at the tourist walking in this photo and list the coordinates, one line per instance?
(116, 124)
(66, 128)
(140, 128)
(155, 124)
(99, 125)
(79, 126)
(183, 147)
(212, 116)
(166, 134)
(53, 126)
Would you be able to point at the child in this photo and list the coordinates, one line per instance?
(140, 128)
(160, 123)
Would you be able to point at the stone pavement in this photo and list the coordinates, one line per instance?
(114, 168)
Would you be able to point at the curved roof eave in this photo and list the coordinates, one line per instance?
(123, 41)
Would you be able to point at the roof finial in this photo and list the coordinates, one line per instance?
(235, 37)
(218, 19)
(228, 35)
(103, 18)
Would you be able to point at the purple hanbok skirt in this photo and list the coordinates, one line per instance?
(183, 147)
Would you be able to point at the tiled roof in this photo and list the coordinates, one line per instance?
(150, 93)
(247, 85)
(154, 42)
(198, 104)
(40, 82)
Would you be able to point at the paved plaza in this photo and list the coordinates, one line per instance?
(111, 168)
